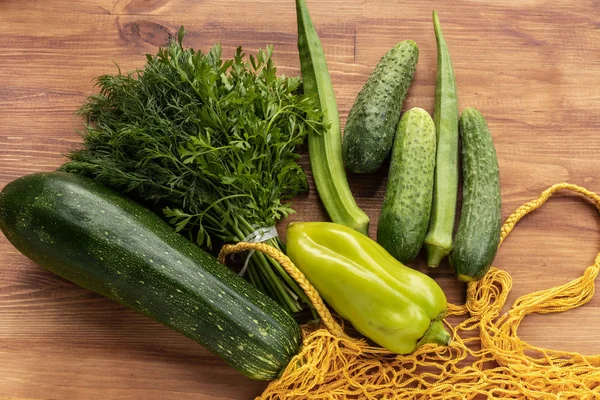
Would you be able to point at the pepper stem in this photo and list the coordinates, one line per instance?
(436, 333)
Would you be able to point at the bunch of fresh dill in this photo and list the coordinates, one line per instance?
(211, 143)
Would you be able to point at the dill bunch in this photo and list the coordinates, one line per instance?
(212, 143)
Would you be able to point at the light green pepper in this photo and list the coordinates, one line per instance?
(397, 307)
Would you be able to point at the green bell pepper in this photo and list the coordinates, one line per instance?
(395, 306)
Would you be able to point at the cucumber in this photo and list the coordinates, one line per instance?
(406, 207)
(478, 234)
(106, 243)
(372, 121)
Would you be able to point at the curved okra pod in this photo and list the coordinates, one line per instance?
(325, 149)
(438, 241)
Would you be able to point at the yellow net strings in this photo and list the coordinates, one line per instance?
(486, 358)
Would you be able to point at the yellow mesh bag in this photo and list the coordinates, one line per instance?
(486, 358)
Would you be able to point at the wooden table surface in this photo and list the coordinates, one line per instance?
(531, 67)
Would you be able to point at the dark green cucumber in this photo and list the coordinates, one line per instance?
(106, 243)
(407, 205)
(478, 234)
(372, 121)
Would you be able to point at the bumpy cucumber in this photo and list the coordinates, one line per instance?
(407, 205)
(478, 233)
(438, 241)
(106, 243)
(325, 149)
(372, 121)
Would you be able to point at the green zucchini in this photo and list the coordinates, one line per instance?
(372, 121)
(325, 149)
(478, 234)
(106, 243)
(406, 207)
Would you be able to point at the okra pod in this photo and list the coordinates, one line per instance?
(325, 148)
(438, 241)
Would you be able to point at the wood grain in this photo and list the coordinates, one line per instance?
(531, 67)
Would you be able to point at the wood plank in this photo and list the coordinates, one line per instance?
(530, 66)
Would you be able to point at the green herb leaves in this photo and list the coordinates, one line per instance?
(212, 142)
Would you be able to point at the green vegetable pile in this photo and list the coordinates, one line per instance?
(212, 145)
(212, 142)
(421, 197)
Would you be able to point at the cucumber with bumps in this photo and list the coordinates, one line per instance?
(406, 208)
(106, 243)
(372, 121)
(478, 234)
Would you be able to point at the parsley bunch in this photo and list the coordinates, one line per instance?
(212, 143)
